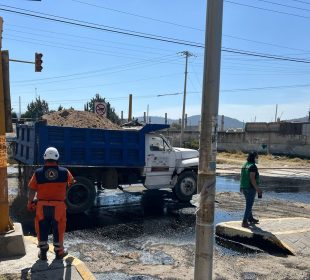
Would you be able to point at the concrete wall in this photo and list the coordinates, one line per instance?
(272, 142)
(174, 136)
(263, 142)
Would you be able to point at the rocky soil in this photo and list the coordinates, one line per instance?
(80, 119)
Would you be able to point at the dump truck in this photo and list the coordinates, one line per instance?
(108, 159)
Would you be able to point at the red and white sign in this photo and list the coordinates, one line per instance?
(101, 109)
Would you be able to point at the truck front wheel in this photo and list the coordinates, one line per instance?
(81, 195)
(186, 186)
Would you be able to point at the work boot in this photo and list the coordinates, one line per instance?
(245, 224)
(42, 255)
(254, 221)
(61, 254)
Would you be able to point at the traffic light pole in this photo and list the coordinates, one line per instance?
(208, 139)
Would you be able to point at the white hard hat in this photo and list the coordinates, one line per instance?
(51, 153)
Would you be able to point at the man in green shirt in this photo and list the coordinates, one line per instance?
(249, 185)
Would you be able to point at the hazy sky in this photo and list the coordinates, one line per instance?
(79, 61)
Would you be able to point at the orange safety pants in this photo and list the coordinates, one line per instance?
(51, 215)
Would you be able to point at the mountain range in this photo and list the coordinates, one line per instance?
(195, 120)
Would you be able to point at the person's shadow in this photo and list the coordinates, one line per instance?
(56, 270)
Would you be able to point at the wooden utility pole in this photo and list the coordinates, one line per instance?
(187, 55)
(5, 222)
(208, 139)
(130, 108)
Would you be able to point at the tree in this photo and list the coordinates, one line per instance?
(36, 109)
(111, 115)
(60, 108)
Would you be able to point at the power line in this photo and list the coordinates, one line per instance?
(139, 16)
(96, 26)
(144, 61)
(87, 77)
(114, 83)
(266, 9)
(284, 5)
(141, 46)
(64, 101)
(299, 1)
(265, 88)
(264, 55)
(80, 42)
(83, 37)
(161, 38)
(264, 43)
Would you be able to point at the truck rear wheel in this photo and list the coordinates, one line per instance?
(186, 186)
(81, 195)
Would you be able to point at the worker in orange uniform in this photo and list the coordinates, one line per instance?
(49, 183)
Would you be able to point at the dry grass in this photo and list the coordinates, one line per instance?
(237, 158)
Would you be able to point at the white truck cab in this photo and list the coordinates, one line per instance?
(171, 167)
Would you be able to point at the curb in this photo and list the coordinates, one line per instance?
(80, 266)
(266, 242)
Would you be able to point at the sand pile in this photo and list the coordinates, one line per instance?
(81, 119)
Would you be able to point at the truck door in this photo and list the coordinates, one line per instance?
(160, 162)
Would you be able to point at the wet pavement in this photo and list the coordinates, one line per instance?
(147, 228)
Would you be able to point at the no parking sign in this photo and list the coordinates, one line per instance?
(101, 109)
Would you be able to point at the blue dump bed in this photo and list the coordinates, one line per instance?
(83, 146)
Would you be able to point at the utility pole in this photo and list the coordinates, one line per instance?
(208, 142)
(6, 91)
(222, 123)
(276, 115)
(5, 222)
(185, 122)
(130, 108)
(20, 108)
(147, 114)
(187, 55)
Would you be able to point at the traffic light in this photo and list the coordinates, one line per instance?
(38, 62)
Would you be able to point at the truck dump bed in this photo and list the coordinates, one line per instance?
(83, 146)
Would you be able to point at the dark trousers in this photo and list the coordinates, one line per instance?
(249, 195)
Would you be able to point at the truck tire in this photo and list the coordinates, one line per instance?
(186, 186)
(80, 196)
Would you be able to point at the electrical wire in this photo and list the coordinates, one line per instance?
(266, 9)
(139, 16)
(142, 62)
(95, 26)
(284, 5)
(114, 83)
(142, 46)
(153, 37)
(299, 1)
(266, 88)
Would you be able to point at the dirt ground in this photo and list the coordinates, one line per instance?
(238, 159)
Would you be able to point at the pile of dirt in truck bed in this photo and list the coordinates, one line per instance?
(81, 119)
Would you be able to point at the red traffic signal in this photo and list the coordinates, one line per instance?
(38, 62)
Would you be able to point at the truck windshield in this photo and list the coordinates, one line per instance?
(158, 144)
